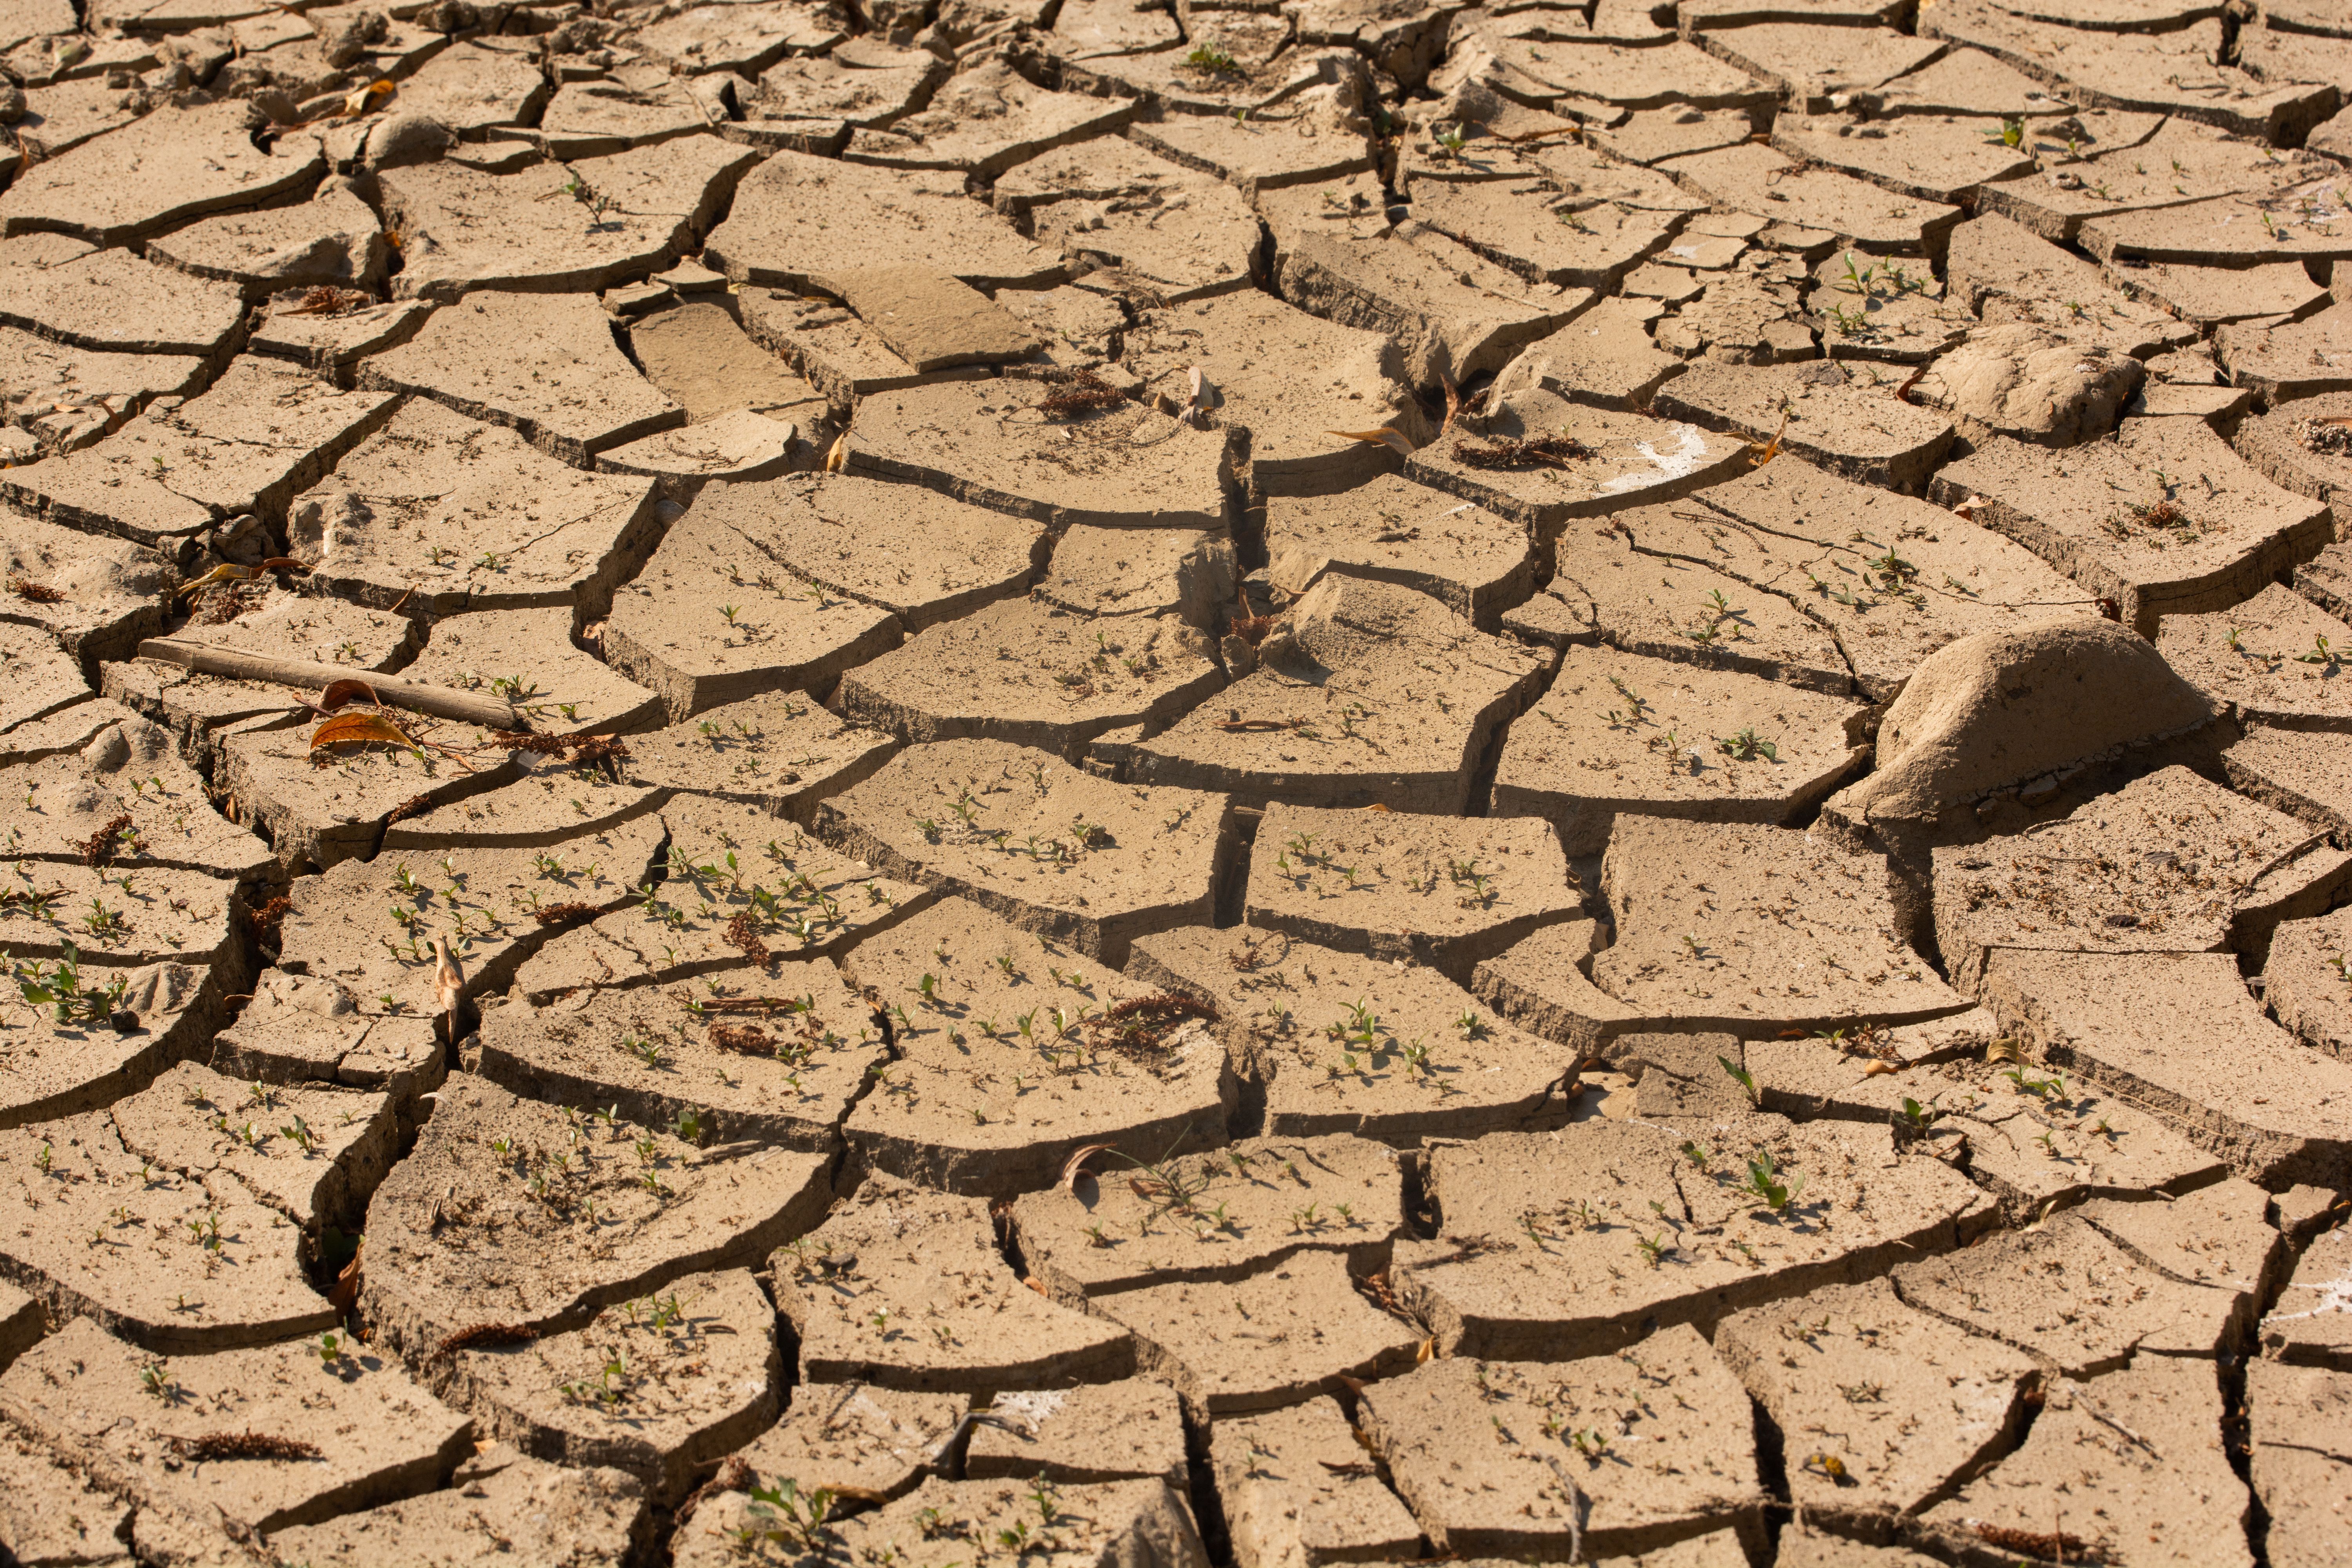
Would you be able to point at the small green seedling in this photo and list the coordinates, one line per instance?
(1764, 1183)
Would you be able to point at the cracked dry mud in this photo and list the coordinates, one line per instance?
(1208, 785)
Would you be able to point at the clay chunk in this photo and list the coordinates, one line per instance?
(1483, 1451)
(187, 1255)
(2268, 660)
(1898, 579)
(2288, 360)
(128, 792)
(2147, 1025)
(543, 365)
(843, 1435)
(2145, 1441)
(1853, 1360)
(1296, 1490)
(1009, 1063)
(1138, 1520)
(322, 806)
(50, 1513)
(1295, 384)
(484, 900)
(258, 435)
(1370, 694)
(1450, 309)
(995, 444)
(743, 889)
(662, 1210)
(2034, 1289)
(795, 217)
(579, 225)
(2170, 863)
(1093, 1433)
(301, 1028)
(1432, 890)
(1596, 461)
(778, 1054)
(656, 1387)
(1821, 411)
(550, 802)
(1617, 734)
(164, 168)
(700, 630)
(2099, 514)
(906, 1289)
(1271, 1338)
(112, 302)
(1025, 672)
(1518, 224)
(2310, 1326)
(1345, 1044)
(776, 751)
(527, 658)
(984, 120)
(2219, 1235)
(1278, 1197)
(1476, 564)
(374, 1436)
(1816, 198)
(2304, 986)
(499, 1503)
(2293, 1416)
(1111, 200)
(1777, 909)
(485, 521)
(1594, 1259)
(1051, 849)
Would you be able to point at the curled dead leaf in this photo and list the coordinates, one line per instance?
(1428, 1348)
(341, 693)
(1772, 449)
(1879, 1069)
(346, 1293)
(360, 727)
(226, 572)
(1376, 806)
(1966, 510)
(2004, 1049)
(838, 458)
(1076, 1165)
(1386, 436)
(363, 98)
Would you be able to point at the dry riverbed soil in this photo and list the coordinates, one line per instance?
(1175, 784)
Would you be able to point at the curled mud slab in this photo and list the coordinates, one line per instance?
(1200, 787)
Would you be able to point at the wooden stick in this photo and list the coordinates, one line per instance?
(210, 658)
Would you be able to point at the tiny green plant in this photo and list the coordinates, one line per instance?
(1745, 1079)
(1208, 56)
(784, 1515)
(1765, 1185)
(1747, 746)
